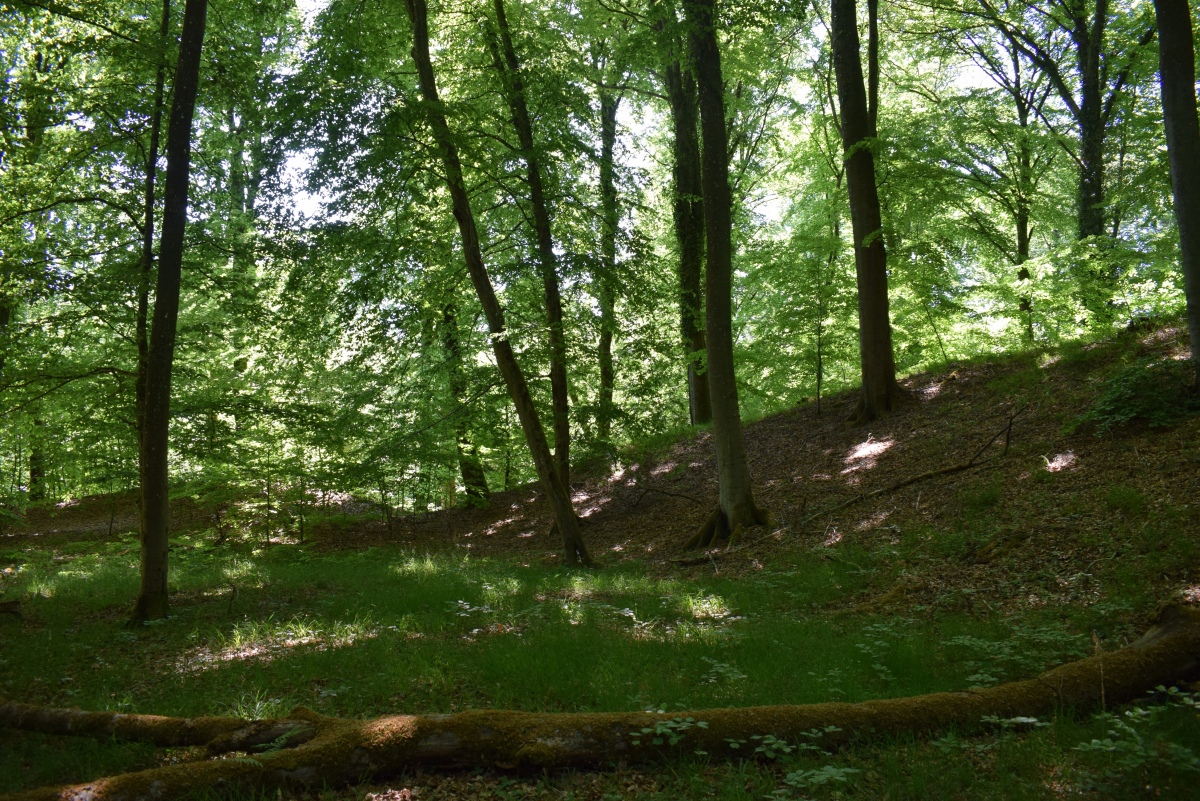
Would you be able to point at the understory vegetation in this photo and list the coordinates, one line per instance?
(968, 580)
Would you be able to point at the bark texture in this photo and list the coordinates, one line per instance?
(607, 285)
(1177, 70)
(879, 387)
(152, 596)
(556, 491)
(736, 509)
(318, 751)
(505, 56)
(689, 233)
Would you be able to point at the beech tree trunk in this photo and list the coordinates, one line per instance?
(514, 87)
(736, 509)
(152, 597)
(141, 329)
(556, 490)
(1177, 65)
(689, 233)
(607, 285)
(469, 465)
(320, 752)
(879, 387)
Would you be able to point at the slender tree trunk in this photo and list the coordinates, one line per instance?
(556, 491)
(143, 307)
(473, 476)
(879, 387)
(736, 509)
(37, 461)
(1177, 65)
(689, 233)
(1089, 44)
(514, 86)
(607, 285)
(152, 597)
(873, 65)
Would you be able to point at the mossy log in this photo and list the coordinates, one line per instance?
(309, 750)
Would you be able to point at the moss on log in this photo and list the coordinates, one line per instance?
(331, 751)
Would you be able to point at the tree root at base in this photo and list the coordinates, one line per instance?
(308, 750)
(716, 529)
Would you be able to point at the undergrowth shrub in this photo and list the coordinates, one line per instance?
(1154, 392)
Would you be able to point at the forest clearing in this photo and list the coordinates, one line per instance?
(445, 399)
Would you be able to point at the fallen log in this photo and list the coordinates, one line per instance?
(324, 751)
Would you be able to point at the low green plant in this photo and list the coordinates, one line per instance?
(1154, 392)
(1125, 500)
(1135, 746)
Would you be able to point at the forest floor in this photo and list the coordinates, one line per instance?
(1066, 525)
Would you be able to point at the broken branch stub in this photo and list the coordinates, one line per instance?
(332, 751)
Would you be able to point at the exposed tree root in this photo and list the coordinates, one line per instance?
(331, 751)
(717, 529)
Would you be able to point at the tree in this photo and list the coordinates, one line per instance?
(152, 596)
(504, 56)
(688, 215)
(879, 388)
(556, 491)
(1177, 71)
(735, 508)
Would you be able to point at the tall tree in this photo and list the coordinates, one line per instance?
(736, 509)
(1177, 72)
(556, 491)
(152, 597)
(1102, 70)
(879, 387)
(509, 67)
(688, 212)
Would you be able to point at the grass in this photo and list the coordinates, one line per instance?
(1011, 570)
(257, 631)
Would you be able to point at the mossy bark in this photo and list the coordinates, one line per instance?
(314, 751)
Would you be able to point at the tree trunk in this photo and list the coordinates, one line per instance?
(143, 305)
(879, 387)
(473, 476)
(607, 285)
(556, 491)
(736, 509)
(37, 461)
(1177, 64)
(689, 233)
(152, 597)
(318, 751)
(514, 87)
(1089, 44)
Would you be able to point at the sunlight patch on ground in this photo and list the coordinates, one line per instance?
(662, 469)
(874, 521)
(266, 640)
(417, 566)
(865, 455)
(1060, 462)
(1191, 595)
(932, 391)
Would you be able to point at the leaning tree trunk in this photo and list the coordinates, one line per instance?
(514, 89)
(152, 597)
(689, 233)
(879, 387)
(307, 750)
(1177, 64)
(736, 509)
(556, 491)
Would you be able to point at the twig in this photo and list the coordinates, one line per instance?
(1006, 432)
(666, 492)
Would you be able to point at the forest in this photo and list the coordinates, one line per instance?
(599, 399)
